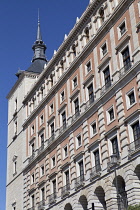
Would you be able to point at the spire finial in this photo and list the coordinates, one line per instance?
(38, 16)
(39, 47)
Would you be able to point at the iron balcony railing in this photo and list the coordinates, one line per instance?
(106, 87)
(135, 145)
(75, 116)
(51, 139)
(125, 68)
(95, 171)
(41, 149)
(52, 198)
(41, 204)
(113, 160)
(65, 190)
(31, 158)
(63, 128)
(79, 181)
(89, 102)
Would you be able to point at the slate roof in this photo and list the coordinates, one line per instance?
(37, 66)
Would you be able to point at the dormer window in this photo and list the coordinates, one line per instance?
(74, 50)
(87, 35)
(101, 13)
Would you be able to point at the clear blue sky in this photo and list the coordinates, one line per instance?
(18, 26)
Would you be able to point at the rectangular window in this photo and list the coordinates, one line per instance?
(43, 194)
(63, 119)
(88, 67)
(52, 129)
(111, 114)
(51, 109)
(54, 186)
(62, 96)
(104, 49)
(33, 201)
(65, 151)
(15, 104)
(136, 131)
(93, 129)
(76, 104)
(32, 179)
(74, 82)
(41, 119)
(53, 161)
(42, 139)
(122, 28)
(32, 149)
(81, 168)
(67, 177)
(115, 149)
(32, 130)
(79, 141)
(42, 170)
(90, 92)
(107, 79)
(126, 58)
(130, 98)
(97, 159)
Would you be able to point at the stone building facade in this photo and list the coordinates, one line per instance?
(74, 134)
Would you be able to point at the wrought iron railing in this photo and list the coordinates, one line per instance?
(135, 145)
(113, 160)
(125, 68)
(31, 158)
(52, 198)
(65, 190)
(95, 171)
(41, 204)
(51, 139)
(106, 87)
(63, 128)
(40, 149)
(75, 116)
(89, 102)
(79, 181)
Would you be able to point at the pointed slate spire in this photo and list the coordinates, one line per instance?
(39, 47)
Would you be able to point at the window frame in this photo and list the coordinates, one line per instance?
(62, 99)
(42, 174)
(91, 129)
(119, 30)
(76, 138)
(86, 67)
(63, 151)
(128, 105)
(74, 86)
(53, 161)
(102, 55)
(108, 115)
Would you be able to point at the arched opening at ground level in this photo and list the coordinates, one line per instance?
(100, 195)
(68, 207)
(83, 202)
(121, 194)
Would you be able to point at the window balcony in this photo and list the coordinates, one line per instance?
(41, 149)
(52, 198)
(95, 172)
(75, 116)
(63, 128)
(89, 102)
(113, 161)
(65, 190)
(125, 69)
(134, 146)
(106, 87)
(32, 157)
(51, 139)
(79, 181)
(41, 204)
